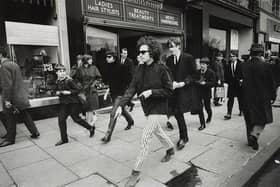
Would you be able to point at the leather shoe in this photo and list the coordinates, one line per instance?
(208, 119)
(253, 142)
(181, 144)
(129, 125)
(133, 179)
(131, 106)
(92, 131)
(227, 117)
(201, 127)
(6, 143)
(169, 125)
(106, 139)
(168, 155)
(61, 142)
(35, 135)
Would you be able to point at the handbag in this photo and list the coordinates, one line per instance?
(220, 92)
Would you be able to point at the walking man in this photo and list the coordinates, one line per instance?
(233, 75)
(183, 68)
(259, 92)
(14, 98)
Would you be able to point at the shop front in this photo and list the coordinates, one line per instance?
(225, 26)
(32, 35)
(269, 34)
(115, 24)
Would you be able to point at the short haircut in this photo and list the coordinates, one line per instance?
(153, 45)
(59, 67)
(124, 49)
(175, 40)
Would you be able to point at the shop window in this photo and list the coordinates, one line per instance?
(275, 7)
(37, 65)
(217, 41)
(274, 49)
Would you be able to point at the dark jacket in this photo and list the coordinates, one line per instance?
(258, 90)
(182, 71)
(156, 78)
(115, 79)
(210, 79)
(219, 69)
(127, 70)
(69, 85)
(12, 85)
(234, 86)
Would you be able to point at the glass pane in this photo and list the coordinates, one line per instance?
(37, 65)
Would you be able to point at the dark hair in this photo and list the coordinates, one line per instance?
(175, 40)
(154, 46)
(205, 60)
(257, 50)
(59, 67)
(3, 51)
(124, 49)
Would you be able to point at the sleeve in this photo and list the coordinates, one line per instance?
(166, 90)
(73, 87)
(97, 73)
(6, 83)
(211, 79)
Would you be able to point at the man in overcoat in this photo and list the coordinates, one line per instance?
(14, 98)
(259, 92)
(183, 68)
(233, 75)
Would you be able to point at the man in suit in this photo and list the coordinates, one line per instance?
(128, 66)
(14, 98)
(233, 76)
(259, 92)
(183, 68)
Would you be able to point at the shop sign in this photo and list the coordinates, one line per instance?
(146, 3)
(139, 14)
(169, 20)
(103, 7)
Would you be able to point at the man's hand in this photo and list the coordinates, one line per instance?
(118, 112)
(106, 94)
(8, 104)
(219, 82)
(146, 94)
(202, 82)
(57, 93)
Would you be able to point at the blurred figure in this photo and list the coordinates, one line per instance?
(259, 92)
(218, 67)
(15, 99)
(75, 67)
(233, 75)
(88, 75)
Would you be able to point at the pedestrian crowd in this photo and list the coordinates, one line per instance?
(168, 88)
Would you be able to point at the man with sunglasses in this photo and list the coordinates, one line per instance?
(183, 68)
(117, 82)
(233, 76)
(153, 85)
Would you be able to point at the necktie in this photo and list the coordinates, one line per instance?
(175, 59)
(232, 69)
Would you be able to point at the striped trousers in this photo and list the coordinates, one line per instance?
(153, 126)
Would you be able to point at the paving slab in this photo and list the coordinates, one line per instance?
(43, 174)
(5, 179)
(71, 153)
(145, 181)
(22, 157)
(93, 180)
(20, 143)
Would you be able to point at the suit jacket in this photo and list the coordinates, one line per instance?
(183, 71)
(128, 70)
(13, 89)
(233, 81)
(259, 89)
(210, 79)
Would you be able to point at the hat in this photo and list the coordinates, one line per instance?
(205, 60)
(59, 67)
(257, 48)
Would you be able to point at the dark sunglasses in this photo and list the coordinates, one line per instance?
(143, 52)
(109, 56)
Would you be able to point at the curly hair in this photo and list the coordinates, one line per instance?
(154, 46)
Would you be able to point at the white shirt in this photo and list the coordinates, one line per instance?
(233, 67)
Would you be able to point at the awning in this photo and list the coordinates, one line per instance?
(46, 3)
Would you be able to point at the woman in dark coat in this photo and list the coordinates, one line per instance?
(259, 90)
(88, 75)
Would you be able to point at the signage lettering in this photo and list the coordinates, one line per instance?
(140, 14)
(169, 20)
(103, 7)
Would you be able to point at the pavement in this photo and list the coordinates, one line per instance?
(220, 154)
